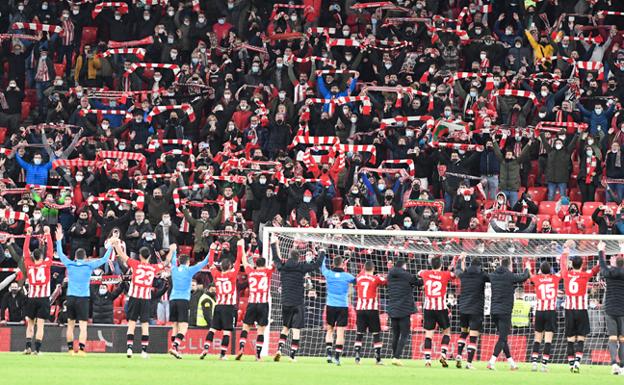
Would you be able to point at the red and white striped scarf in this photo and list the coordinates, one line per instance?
(372, 4)
(121, 7)
(68, 32)
(133, 67)
(100, 112)
(49, 28)
(42, 74)
(407, 162)
(155, 143)
(75, 163)
(343, 43)
(517, 93)
(590, 168)
(131, 43)
(15, 215)
(375, 210)
(112, 196)
(391, 122)
(590, 66)
(609, 13)
(457, 146)
(326, 61)
(489, 78)
(314, 140)
(344, 148)
(187, 108)
(138, 52)
(135, 156)
(590, 40)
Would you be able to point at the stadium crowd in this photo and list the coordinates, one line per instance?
(201, 122)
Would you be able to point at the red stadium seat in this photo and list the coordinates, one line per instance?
(30, 95)
(590, 207)
(547, 207)
(185, 250)
(3, 131)
(540, 219)
(575, 194)
(25, 110)
(537, 194)
(59, 69)
(446, 222)
(590, 226)
(337, 204)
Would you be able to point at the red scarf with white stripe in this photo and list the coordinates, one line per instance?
(590, 167)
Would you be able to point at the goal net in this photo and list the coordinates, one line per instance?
(385, 247)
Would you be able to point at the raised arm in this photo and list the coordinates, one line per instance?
(240, 251)
(200, 265)
(49, 245)
(277, 260)
(27, 259)
(102, 260)
(59, 247)
(605, 271)
(121, 254)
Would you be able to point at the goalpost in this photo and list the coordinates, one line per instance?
(383, 247)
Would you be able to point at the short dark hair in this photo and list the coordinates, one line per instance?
(577, 262)
(619, 262)
(369, 266)
(400, 263)
(226, 264)
(545, 268)
(436, 263)
(338, 261)
(144, 252)
(80, 253)
(184, 259)
(506, 262)
(36, 254)
(260, 262)
(475, 261)
(294, 255)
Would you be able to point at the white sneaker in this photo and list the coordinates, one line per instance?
(615, 369)
(491, 366)
(544, 368)
(129, 353)
(144, 355)
(470, 367)
(534, 367)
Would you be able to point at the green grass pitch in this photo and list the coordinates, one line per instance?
(95, 369)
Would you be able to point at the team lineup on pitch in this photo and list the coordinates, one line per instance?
(399, 283)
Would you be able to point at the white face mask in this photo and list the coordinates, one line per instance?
(558, 146)
(37, 161)
(353, 119)
(255, 68)
(590, 141)
(44, 7)
(36, 216)
(388, 65)
(542, 115)
(282, 95)
(473, 94)
(544, 93)
(293, 18)
(26, 209)
(122, 147)
(588, 153)
(138, 120)
(170, 40)
(466, 197)
(201, 20)
(598, 111)
(117, 17)
(221, 21)
(447, 113)
(407, 225)
(103, 291)
(75, 11)
(157, 78)
(171, 13)
(146, 17)
(483, 56)
(279, 65)
(79, 178)
(20, 8)
(307, 199)
(409, 133)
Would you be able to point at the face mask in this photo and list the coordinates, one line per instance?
(79, 178)
(544, 93)
(75, 11)
(473, 94)
(20, 8)
(353, 119)
(118, 17)
(447, 113)
(44, 56)
(562, 137)
(201, 20)
(558, 146)
(500, 201)
(122, 147)
(37, 161)
(307, 199)
(36, 216)
(103, 291)
(381, 187)
(221, 21)
(409, 133)
(174, 56)
(157, 78)
(407, 224)
(25, 209)
(590, 141)
(293, 18)
(483, 56)
(598, 111)
(145, 17)
(354, 192)
(170, 40)
(466, 198)
(195, 60)
(262, 180)
(348, 58)
(461, 152)
(508, 32)
(279, 65)
(171, 13)
(388, 65)
(477, 31)
(187, 22)
(542, 115)
(255, 69)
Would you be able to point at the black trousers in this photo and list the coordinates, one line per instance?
(400, 335)
(503, 326)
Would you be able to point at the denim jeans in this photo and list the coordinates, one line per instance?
(512, 197)
(491, 188)
(553, 187)
(618, 189)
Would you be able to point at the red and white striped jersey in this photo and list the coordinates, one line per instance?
(259, 283)
(366, 287)
(68, 32)
(38, 276)
(575, 285)
(143, 275)
(226, 286)
(546, 290)
(435, 284)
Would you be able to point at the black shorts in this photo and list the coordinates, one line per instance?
(615, 325)
(139, 309)
(257, 313)
(431, 318)
(546, 321)
(368, 319)
(336, 316)
(471, 321)
(78, 308)
(37, 308)
(224, 317)
(576, 323)
(179, 310)
(292, 316)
